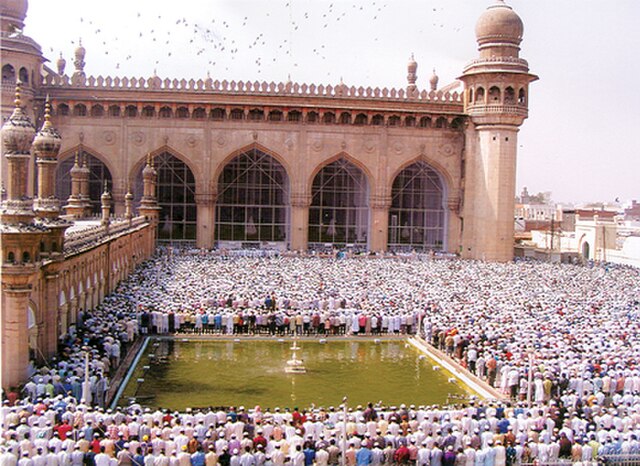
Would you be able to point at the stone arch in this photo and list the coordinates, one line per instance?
(142, 160)
(23, 75)
(418, 212)
(177, 185)
(101, 169)
(439, 168)
(8, 73)
(220, 166)
(342, 155)
(340, 192)
(253, 198)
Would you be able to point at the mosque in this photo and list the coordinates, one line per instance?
(242, 164)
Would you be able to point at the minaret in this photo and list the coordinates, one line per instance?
(20, 244)
(105, 204)
(495, 98)
(128, 205)
(46, 147)
(78, 78)
(61, 63)
(149, 204)
(17, 135)
(75, 207)
(85, 175)
(412, 68)
(433, 81)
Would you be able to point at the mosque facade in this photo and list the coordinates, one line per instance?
(248, 164)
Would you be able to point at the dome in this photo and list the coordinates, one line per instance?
(18, 131)
(499, 23)
(48, 141)
(433, 81)
(412, 66)
(80, 51)
(15, 11)
(61, 63)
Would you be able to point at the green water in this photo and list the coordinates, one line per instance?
(227, 373)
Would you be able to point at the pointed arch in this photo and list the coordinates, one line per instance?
(249, 147)
(350, 159)
(339, 210)
(418, 211)
(176, 192)
(100, 169)
(252, 198)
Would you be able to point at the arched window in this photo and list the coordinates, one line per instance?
(329, 117)
(253, 200)
(425, 122)
(8, 74)
(480, 96)
(237, 114)
(114, 110)
(80, 110)
(176, 192)
(98, 173)
(457, 123)
(361, 119)
(441, 123)
(417, 213)
(339, 212)
(97, 111)
(218, 114)
(275, 115)
(165, 112)
(345, 118)
(63, 110)
(182, 112)
(256, 114)
(312, 117)
(131, 111)
(24, 75)
(522, 97)
(26, 257)
(148, 111)
(11, 257)
(294, 115)
(199, 113)
(509, 96)
(394, 120)
(410, 121)
(494, 95)
(377, 120)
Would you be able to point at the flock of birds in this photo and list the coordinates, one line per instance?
(277, 36)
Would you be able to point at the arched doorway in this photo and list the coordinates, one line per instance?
(252, 209)
(339, 210)
(98, 173)
(417, 216)
(32, 325)
(585, 251)
(176, 193)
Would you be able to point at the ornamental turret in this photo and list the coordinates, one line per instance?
(17, 136)
(46, 147)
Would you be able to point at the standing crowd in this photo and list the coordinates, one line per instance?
(559, 341)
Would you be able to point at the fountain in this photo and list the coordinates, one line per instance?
(295, 365)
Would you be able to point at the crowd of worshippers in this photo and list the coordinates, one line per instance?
(561, 340)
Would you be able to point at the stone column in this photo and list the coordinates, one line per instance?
(379, 222)
(15, 335)
(299, 221)
(50, 313)
(454, 239)
(206, 217)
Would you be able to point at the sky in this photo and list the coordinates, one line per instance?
(579, 142)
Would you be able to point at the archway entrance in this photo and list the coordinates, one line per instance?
(98, 173)
(585, 251)
(252, 209)
(176, 191)
(339, 210)
(417, 216)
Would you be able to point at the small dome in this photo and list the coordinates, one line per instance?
(15, 11)
(80, 51)
(76, 169)
(499, 23)
(18, 131)
(412, 66)
(433, 81)
(48, 141)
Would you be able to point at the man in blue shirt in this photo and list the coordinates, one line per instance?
(363, 456)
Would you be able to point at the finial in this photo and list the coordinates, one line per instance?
(412, 57)
(47, 111)
(106, 187)
(18, 101)
(77, 157)
(149, 158)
